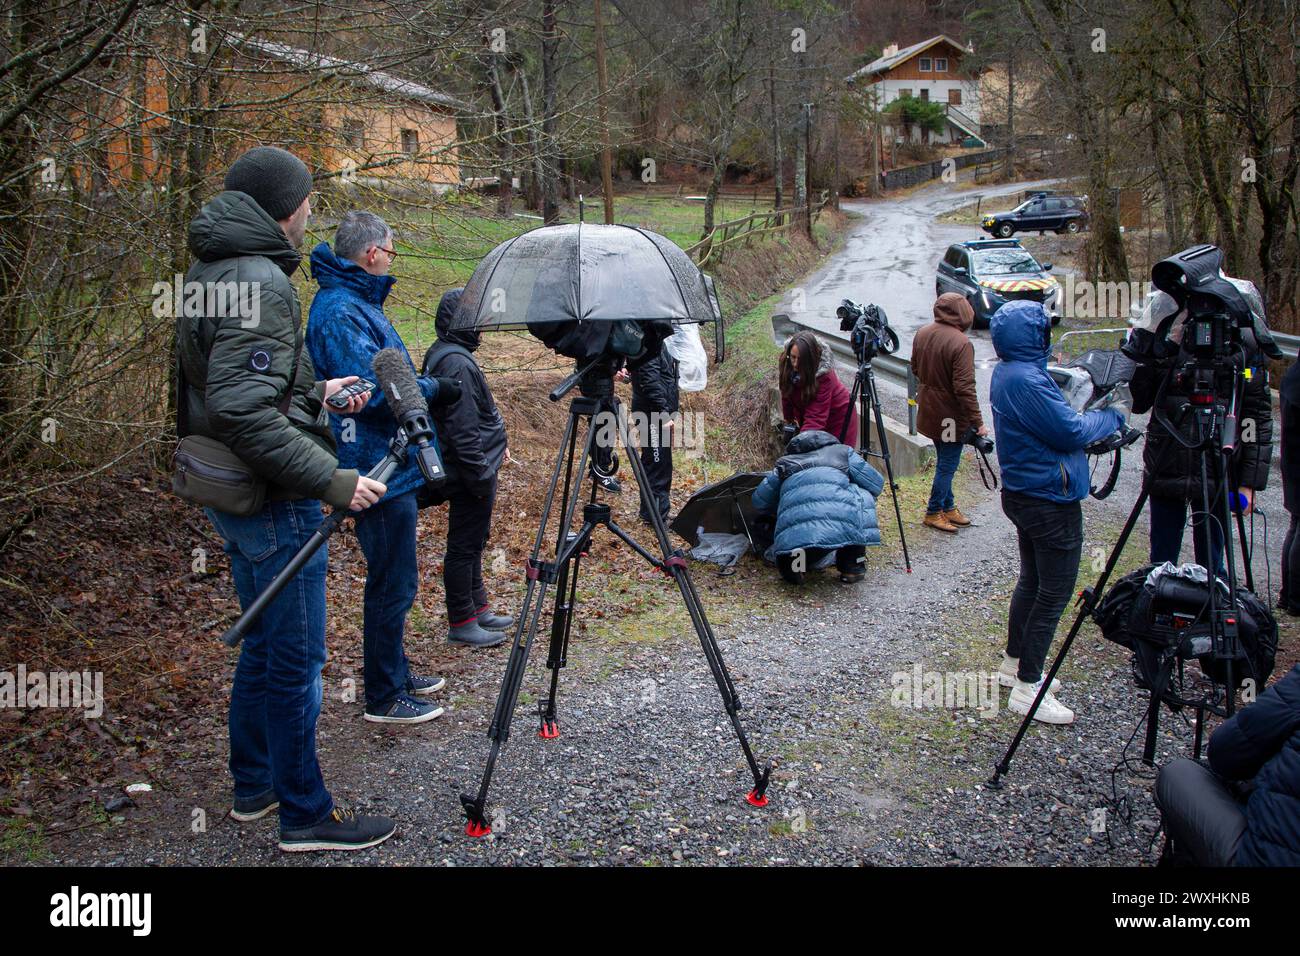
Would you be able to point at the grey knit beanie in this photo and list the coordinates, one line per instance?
(277, 180)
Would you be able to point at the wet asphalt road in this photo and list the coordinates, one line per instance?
(889, 257)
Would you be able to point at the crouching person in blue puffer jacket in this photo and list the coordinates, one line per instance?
(824, 497)
(1044, 477)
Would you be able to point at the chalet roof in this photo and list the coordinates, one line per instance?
(886, 63)
(353, 70)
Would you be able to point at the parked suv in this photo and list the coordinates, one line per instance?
(990, 272)
(1041, 212)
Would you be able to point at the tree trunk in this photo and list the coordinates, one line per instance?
(801, 166)
(505, 157)
(537, 179)
(711, 196)
(602, 80)
(1009, 167)
(550, 164)
(1170, 199)
(778, 172)
(16, 152)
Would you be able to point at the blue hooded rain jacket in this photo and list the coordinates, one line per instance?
(1040, 438)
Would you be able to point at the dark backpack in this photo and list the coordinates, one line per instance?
(1168, 622)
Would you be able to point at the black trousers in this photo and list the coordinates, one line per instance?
(1050, 536)
(848, 560)
(469, 519)
(1289, 597)
(657, 459)
(1203, 819)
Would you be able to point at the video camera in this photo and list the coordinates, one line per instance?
(1099, 379)
(869, 329)
(1214, 309)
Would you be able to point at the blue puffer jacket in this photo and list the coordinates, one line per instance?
(823, 494)
(1040, 438)
(345, 329)
(1262, 742)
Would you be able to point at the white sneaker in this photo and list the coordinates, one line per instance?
(1050, 711)
(1010, 667)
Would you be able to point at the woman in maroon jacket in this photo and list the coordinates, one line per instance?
(812, 395)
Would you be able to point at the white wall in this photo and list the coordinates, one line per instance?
(887, 90)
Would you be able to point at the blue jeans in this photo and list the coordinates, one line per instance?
(947, 456)
(386, 533)
(1168, 519)
(276, 696)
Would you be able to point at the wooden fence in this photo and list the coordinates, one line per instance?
(757, 225)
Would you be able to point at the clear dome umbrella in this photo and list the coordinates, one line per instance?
(582, 272)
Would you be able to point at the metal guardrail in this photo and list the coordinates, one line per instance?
(893, 367)
(1289, 344)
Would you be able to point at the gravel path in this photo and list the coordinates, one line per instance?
(647, 770)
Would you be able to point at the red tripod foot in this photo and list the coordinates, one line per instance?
(550, 730)
(477, 828)
(755, 799)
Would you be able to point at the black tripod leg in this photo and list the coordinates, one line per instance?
(499, 730)
(566, 600)
(1245, 552)
(1153, 727)
(889, 467)
(525, 631)
(675, 565)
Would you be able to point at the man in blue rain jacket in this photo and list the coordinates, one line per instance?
(345, 330)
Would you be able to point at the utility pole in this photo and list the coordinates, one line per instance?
(602, 80)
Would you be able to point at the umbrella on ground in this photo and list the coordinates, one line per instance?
(724, 507)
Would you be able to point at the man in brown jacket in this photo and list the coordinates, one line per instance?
(944, 361)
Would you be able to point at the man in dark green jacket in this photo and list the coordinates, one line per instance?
(247, 382)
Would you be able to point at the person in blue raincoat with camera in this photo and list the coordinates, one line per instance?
(1041, 439)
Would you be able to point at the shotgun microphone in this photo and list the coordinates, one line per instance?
(396, 378)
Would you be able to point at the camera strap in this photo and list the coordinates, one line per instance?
(987, 473)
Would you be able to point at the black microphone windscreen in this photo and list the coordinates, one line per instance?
(396, 377)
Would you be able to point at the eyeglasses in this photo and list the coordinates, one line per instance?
(392, 253)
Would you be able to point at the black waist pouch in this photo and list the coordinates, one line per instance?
(209, 474)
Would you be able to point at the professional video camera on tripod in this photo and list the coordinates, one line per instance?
(606, 296)
(1198, 349)
(870, 335)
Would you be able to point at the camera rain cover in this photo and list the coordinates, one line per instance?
(584, 273)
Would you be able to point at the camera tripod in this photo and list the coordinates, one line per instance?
(867, 399)
(597, 407)
(1215, 437)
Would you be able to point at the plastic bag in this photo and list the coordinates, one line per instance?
(723, 549)
(685, 346)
